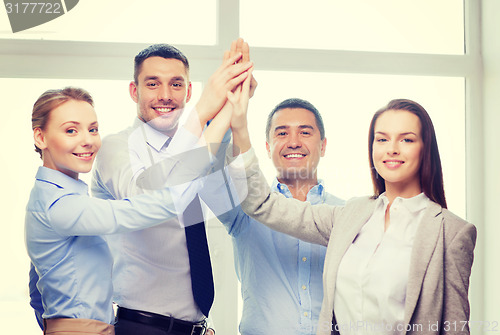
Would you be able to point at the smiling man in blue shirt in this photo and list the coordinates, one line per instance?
(281, 276)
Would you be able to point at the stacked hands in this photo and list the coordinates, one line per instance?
(224, 101)
(402, 145)
(225, 97)
(223, 105)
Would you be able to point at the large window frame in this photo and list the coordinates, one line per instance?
(96, 60)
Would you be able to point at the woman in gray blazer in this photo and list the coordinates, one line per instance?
(397, 262)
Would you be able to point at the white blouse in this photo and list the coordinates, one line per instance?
(371, 283)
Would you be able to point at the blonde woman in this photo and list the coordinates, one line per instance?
(71, 261)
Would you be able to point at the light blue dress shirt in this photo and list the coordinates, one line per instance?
(72, 263)
(281, 276)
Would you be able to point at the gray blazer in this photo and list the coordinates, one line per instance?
(441, 260)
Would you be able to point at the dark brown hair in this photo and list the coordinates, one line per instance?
(296, 103)
(50, 100)
(431, 174)
(166, 51)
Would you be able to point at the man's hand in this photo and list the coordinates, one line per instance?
(233, 77)
(232, 114)
(227, 77)
(240, 46)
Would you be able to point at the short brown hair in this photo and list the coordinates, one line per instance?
(166, 51)
(50, 100)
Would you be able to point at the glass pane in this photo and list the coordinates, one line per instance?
(347, 103)
(425, 26)
(152, 21)
(115, 111)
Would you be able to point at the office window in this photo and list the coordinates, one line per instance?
(349, 86)
(151, 21)
(426, 26)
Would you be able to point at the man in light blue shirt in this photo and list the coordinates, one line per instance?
(281, 276)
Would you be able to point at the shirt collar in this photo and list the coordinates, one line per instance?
(153, 137)
(61, 180)
(413, 204)
(316, 191)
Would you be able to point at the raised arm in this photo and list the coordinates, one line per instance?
(227, 77)
(290, 216)
(117, 170)
(234, 109)
(311, 223)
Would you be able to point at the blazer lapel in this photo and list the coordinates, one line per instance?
(423, 248)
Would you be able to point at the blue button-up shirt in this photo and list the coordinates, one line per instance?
(73, 265)
(281, 276)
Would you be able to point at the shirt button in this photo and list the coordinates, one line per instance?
(305, 314)
(304, 287)
(304, 259)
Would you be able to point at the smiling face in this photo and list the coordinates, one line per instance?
(70, 140)
(295, 145)
(397, 148)
(161, 93)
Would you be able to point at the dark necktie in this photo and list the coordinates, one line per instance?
(202, 281)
